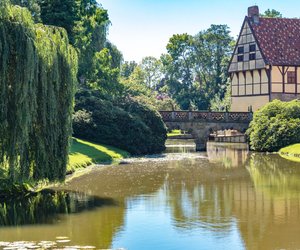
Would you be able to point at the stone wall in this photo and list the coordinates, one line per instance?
(284, 96)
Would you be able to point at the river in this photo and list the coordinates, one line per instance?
(226, 198)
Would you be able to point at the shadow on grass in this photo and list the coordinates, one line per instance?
(95, 154)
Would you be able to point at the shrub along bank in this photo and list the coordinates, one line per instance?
(275, 126)
(129, 125)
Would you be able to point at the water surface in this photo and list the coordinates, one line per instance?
(227, 198)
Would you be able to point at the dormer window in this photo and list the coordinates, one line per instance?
(252, 47)
(241, 50)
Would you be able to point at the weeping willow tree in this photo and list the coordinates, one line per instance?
(38, 71)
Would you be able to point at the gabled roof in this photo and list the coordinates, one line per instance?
(278, 39)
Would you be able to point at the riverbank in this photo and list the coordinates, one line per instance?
(291, 152)
(178, 134)
(175, 132)
(84, 153)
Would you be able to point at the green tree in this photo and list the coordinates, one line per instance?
(218, 104)
(134, 85)
(196, 68)
(116, 55)
(152, 68)
(37, 83)
(127, 69)
(86, 23)
(180, 75)
(32, 5)
(60, 13)
(105, 75)
(212, 51)
(271, 13)
(89, 36)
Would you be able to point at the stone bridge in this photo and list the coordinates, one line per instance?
(201, 123)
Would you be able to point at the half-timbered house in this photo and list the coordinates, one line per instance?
(265, 64)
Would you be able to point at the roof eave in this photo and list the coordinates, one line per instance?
(236, 45)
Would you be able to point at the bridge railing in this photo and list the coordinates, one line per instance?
(184, 116)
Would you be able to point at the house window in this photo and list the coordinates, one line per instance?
(291, 77)
(252, 47)
(252, 56)
(240, 58)
(241, 50)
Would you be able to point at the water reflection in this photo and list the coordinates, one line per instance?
(274, 175)
(180, 146)
(269, 212)
(46, 206)
(247, 201)
(57, 219)
(229, 154)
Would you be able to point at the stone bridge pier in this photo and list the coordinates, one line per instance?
(201, 124)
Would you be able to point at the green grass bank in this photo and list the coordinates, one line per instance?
(174, 133)
(291, 152)
(84, 153)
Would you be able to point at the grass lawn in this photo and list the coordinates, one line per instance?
(84, 153)
(174, 133)
(291, 152)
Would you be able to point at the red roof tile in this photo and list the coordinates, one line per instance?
(279, 40)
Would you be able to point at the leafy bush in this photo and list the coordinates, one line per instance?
(131, 126)
(274, 126)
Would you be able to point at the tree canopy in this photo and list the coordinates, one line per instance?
(32, 5)
(37, 83)
(196, 66)
(192, 75)
(271, 13)
(86, 23)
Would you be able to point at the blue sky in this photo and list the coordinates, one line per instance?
(143, 27)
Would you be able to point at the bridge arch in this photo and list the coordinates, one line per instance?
(201, 123)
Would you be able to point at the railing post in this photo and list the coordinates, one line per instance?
(209, 115)
(173, 116)
(190, 116)
(226, 116)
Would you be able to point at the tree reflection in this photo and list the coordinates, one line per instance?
(261, 195)
(201, 194)
(46, 206)
(274, 175)
(269, 211)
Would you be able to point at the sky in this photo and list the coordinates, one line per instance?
(143, 28)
